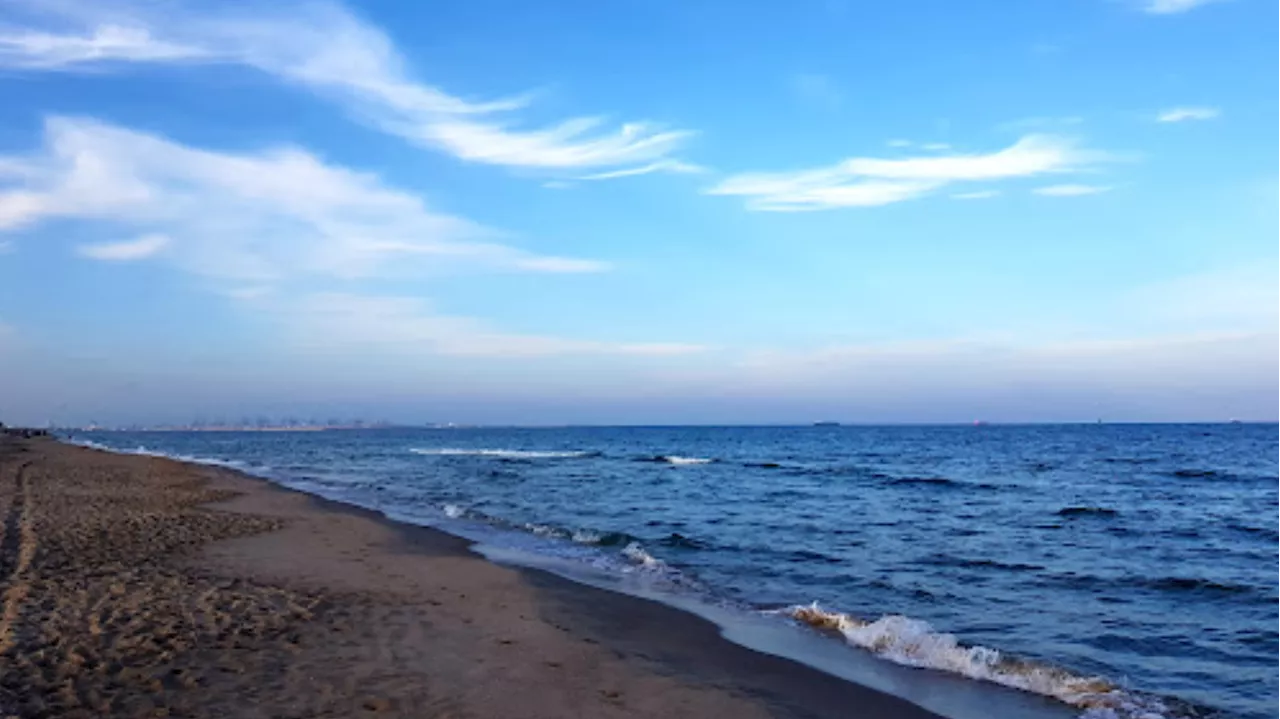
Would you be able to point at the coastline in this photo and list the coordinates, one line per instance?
(135, 585)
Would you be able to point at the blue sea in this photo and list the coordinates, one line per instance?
(1123, 570)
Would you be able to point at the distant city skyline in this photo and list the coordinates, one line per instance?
(639, 213)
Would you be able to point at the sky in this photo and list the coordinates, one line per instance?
(639, 212)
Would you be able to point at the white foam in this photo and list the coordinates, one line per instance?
(544, 530)
(506, 453)
(913, 642)
(453, 511)
(635, 553)
(674, 459)
(147, 452)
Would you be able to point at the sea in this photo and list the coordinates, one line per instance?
(1109, 570)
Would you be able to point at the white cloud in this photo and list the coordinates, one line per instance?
(864, 182)
(405, 325)
(1170, 7)
(141, 248)
(935, 146)
(1182, 114)
(260, 216)
(659, 166)
(325, 49)
(1070, 190)
(976, 195)
(106, 43)
(899, 143)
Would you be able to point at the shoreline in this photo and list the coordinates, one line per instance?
(323, 608)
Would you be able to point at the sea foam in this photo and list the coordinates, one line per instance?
(502, 453)
(146, 452)
(913, 642)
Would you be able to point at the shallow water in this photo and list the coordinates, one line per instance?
(1145, 555)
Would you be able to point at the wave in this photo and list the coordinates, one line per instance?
(502, 453)
(1196, 473)
(945, 560)
(915, 643)
(1194, 584)
(601, 539)
(676, 459)
(934, 481)
(1087, 511)
(146, 452)
(680, 541)
(636, 554)
(1130, 460)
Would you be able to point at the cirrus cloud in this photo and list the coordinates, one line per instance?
(869, 182)
(261, 216)
(1183, 114)
(138, 249)
(1070, 190)
(1172, 7)
(326, 50)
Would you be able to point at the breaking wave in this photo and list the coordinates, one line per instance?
(676, 459)
(145, 452)
(915, 643)
(637, 555)
(502, 453)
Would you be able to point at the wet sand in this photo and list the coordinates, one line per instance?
(140, 586)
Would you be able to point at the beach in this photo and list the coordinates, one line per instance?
(143, 586)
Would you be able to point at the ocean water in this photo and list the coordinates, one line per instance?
(1124, 570)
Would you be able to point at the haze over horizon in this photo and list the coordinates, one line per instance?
(639, 213)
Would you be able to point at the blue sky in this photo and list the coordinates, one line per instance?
(639, 211)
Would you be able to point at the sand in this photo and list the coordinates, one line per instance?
(140, 586)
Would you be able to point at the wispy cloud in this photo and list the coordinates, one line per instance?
(1182, 114)
(261, 216)
(106, 43)
(328, 51)
(865, 182)
(406, 325)
(976, 195)
(659, 166)
(141, 248)
(1069, 190)
(1172, 7)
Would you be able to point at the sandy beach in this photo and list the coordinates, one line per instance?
(141, 586)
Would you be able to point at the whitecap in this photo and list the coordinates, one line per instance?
(675, 459)
(636, 554)
(913, 642)
(502, 453)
